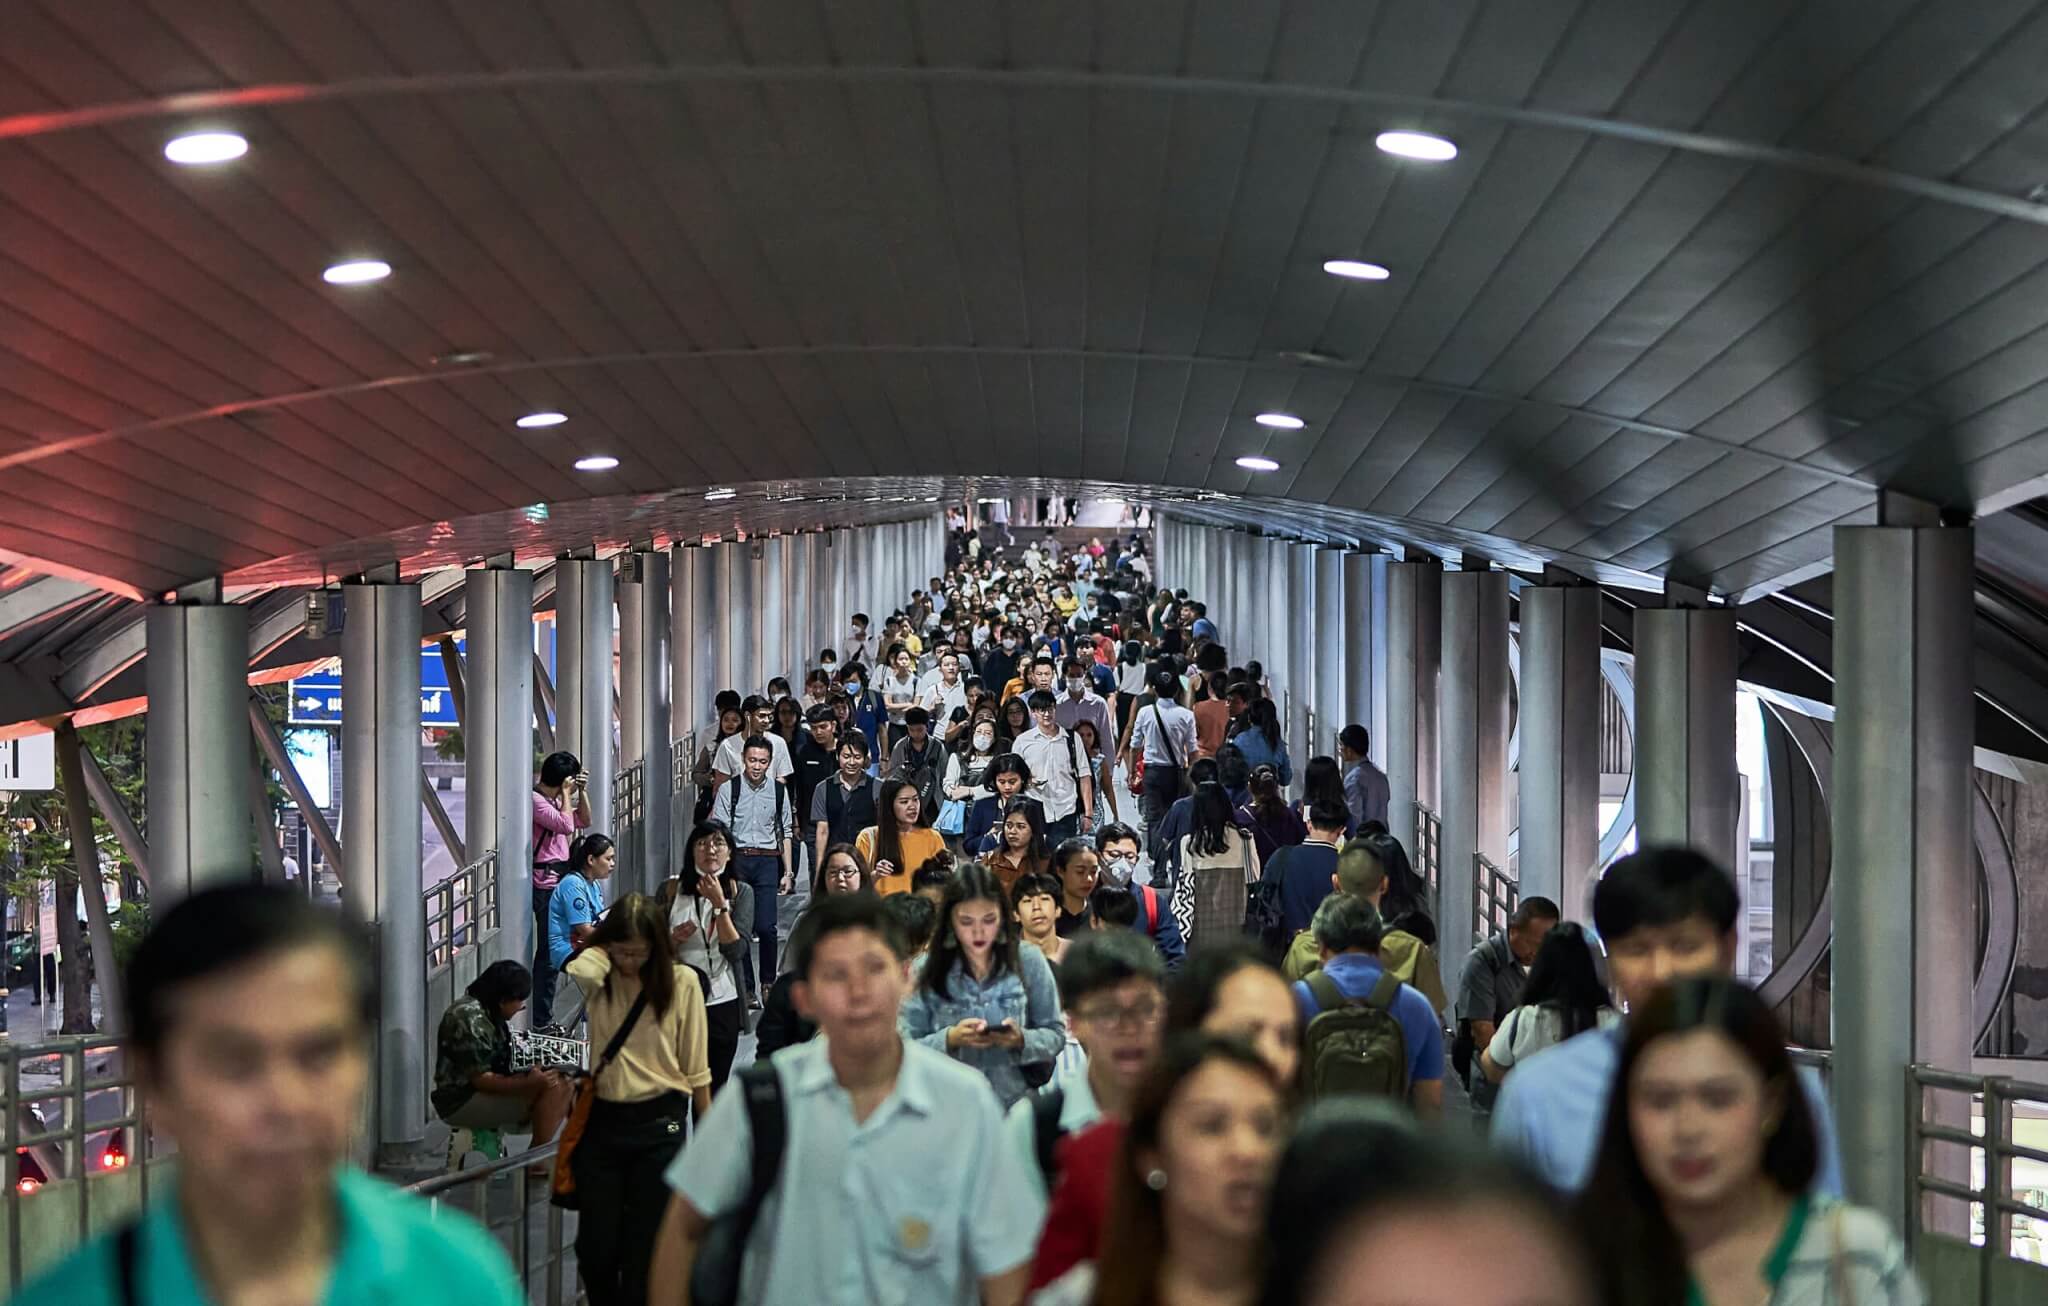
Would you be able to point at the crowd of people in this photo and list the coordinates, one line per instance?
(1074, 1007)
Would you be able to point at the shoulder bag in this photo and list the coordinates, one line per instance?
(1172, 753)
(562, 1189)
(715, 1275)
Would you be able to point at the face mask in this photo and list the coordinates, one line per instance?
(1117, 870)
(1009, 644)
(984, 740)
(854, 687)
(1075, 684)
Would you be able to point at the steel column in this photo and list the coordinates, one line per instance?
(583, 674)
(498, 744)
(1560, 759)
(774, 607)
(644, 709)
(1687, 791)
(1365, 648)
(1328, 617)
(797, 572)
(381, 882)
(1475, 748)
(1905, 880)
(197, 789)
(1413, 663)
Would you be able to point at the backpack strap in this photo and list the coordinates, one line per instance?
(127, 1259)
(1325, 991)
(1151, 903)
(770, 1127)
(1384, 991)
(1046, 1106)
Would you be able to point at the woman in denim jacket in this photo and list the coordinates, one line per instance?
(982, 997)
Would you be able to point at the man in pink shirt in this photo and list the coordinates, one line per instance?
(561, 806)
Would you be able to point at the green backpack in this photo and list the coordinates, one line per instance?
(1355, 1046)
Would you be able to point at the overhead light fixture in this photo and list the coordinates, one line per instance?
(356, 272)
(205, 147)
(1416, 145)
(462, 358)
(532, 420)
(1252, 462)
(714, 496)
(597, 462)
(1355, 269)
(1280, 421)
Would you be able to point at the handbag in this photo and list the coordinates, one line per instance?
(1172, 753)
(562, 1187)
(952, 817)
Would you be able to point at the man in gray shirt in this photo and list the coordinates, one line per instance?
(1490, 986)
(1365, 785)
(758, 812)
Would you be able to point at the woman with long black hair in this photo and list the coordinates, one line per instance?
(1562, 998)
(1703, 1188)
(900, 842)
(1322, 780)
(705, 906)
(631, 981)
(1260, 740)
(1218, 864)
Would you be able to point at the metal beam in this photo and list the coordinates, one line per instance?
(543, 705)
(458, 689)
(281, 762)
(40, 598)
(115, 811)
(430, 798)
(92, 884)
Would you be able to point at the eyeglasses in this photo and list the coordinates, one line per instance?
(1143, 1015)
(842, 873)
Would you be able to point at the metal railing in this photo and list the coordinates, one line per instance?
(1494, 898)
(461, 910)
(629, 816)
(2003, 1223)
(630, 802)
(1427, 852)
(540, 1256)
(76, 1153)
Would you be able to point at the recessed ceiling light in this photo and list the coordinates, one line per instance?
(597, 462)
(205, 147)
(462, 358)
(1416, 145)
(1252, 462)
(356, 272)
(1280, 421)
(1355, 269)
(532, 420)
(715, 495)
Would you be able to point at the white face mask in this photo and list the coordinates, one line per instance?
(1009, 644)
(984, 740)
(1076, 684)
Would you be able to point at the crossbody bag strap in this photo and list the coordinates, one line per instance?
(1166, 737)
(612, 1049)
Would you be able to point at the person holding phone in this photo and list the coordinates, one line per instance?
(980, 996)
(706, 904)
(561, 807)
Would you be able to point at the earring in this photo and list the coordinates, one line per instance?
(1156, 1180)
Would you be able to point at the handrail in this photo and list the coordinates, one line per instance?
(1428, 842)
(61, 1151)
(460, 910)
(1995, 1193)
(444, 1188)
(1495, 897)
(632, 792)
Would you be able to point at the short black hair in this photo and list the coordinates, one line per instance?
(726, 700)
(1328, 814)
(917, 716)
(1103, 959)
(934, 874)
(1111, 833)
(1344, 923)
(760, 742)
(557, 767)
(1535, 908)
(1663, 885)
(501, 982)
(1040, 700)
(915, 916)
(1035, 884)
(853, 737)
(226, 928)
(1355, 738)
(839, 913)
(1112, 906)
(754, 703)
(1009, 764)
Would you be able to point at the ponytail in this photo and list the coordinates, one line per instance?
(585, 847)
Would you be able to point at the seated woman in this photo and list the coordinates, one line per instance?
(474, 1087)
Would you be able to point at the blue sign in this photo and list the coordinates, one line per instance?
(316, 699)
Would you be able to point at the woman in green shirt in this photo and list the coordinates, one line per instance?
(1703, 1192)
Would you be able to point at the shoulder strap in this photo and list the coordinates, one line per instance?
(1384, 991)
(1073, 757)
(770, 1126)
(1327, 995)
(611, 1049)
(127, 1257)
(1166, 737)
(735, 813)
(1151, 901)
(1046, 1107)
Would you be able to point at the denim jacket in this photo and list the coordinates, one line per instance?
(1026, 996)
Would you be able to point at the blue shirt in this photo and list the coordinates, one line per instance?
(1026, 997)
(1257, 753)
(1160, 926)
(916, 1204)
(1306, 878)
(576, 901)
(389, 1247)
(1354, 974)
(1552, 1109)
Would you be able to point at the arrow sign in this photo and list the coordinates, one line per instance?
(316, 699)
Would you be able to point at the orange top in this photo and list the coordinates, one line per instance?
(919, 846)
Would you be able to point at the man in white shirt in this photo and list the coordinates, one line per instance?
(1163, 737)
(730, 759)
(1080, 703)
(1059, 771)
(859, 643)
(943, 688)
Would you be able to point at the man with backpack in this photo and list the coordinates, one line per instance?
(845, 803)
(1367, 1032)
(1117, 846)
(919, 758)
(755, 810)
(1490, 986)
(1361, 875)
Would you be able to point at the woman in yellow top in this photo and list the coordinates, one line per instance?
(662, 1072)
(901, 841)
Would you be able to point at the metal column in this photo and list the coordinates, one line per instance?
(583, 675)
(775, 659)
(1687, 791)
(797, 572)
(644, 710)
(198, 799)
(1413, 663)
(498, 744)
(1905, 873)
(1329, 618)
(1560, 761)
(381, 888)
(1475, 749)
(1365, 648)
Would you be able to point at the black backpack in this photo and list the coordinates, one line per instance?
(1046, 1133)
(715, 1275)
(1265, 922)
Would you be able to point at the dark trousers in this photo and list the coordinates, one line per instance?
(1162, 787)
(724, 1024)
(1067, 827)
(765, 874)
(543, 1004)
(618, 1167)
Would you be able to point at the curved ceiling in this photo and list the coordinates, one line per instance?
(1702, 277)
